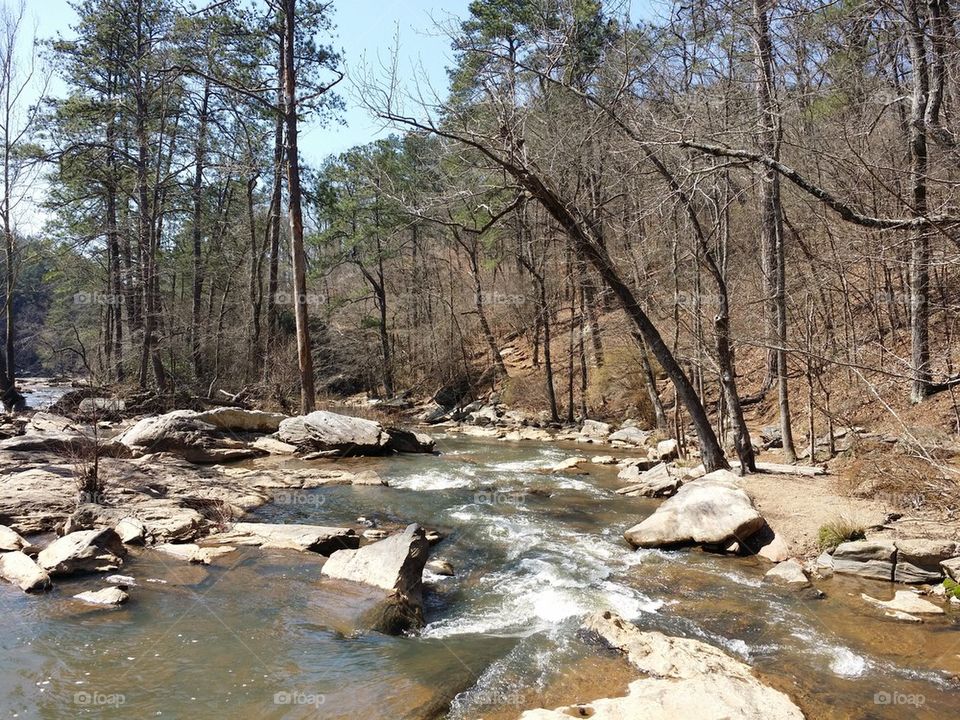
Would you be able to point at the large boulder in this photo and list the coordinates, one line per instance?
(682, 678)
(394, 566)
(234, 419)
(713, 511)
(83, 551)
(918, 561)
(341, 434)
(315, 538)
(20, 569)
(186, 434)
(873, 559)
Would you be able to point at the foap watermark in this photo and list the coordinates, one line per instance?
(495, 297)
(898, 698)
(291, 299)
(497, 698)
(85, 298)
(298, 498)
(93, 698)
(495, 497)
(298, 697)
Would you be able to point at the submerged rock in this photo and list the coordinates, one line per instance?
(83, 551)
(19, 569)
(106, 596)
(683, 678)
(905, 601)
(713, 510)
(395, 567)
(440, 567)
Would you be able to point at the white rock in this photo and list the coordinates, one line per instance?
(106, 596)
(789, 572)
(714, 510)
(907, 602)
(19, 569)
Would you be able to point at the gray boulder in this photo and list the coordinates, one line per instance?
(83, 551)
(184, 433)
(951, 568)
(234, 419)
(873, 559)
(630, 436)
(918, 561)
(323, 431)
(789, 572)
(656, 482)
(409, 441)
(713, 511)
(394, 566)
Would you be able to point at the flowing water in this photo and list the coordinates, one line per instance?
(250, 637)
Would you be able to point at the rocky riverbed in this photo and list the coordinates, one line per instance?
(330, 556)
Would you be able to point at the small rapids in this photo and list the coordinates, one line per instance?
(534, 552)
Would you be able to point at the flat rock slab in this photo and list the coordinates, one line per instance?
(630, 436)
(236, 419)
(316, 538)
(21, 570)
(713, 510)
(874, 559)
(193, 553)
(106, 596)
(684, 679)
(395, 566)
(905, 601)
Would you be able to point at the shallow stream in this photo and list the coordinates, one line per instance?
(249, 637)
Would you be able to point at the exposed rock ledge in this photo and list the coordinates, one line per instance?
(683, 678)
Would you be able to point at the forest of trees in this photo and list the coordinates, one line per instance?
(772, 180)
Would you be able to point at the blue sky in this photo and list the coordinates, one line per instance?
(366, 32)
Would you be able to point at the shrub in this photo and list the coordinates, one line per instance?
(839, 530)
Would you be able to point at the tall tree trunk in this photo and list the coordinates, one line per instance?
(771, 214)
(274, 225)
(920, 239)
(196, 325)
(305, 360)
